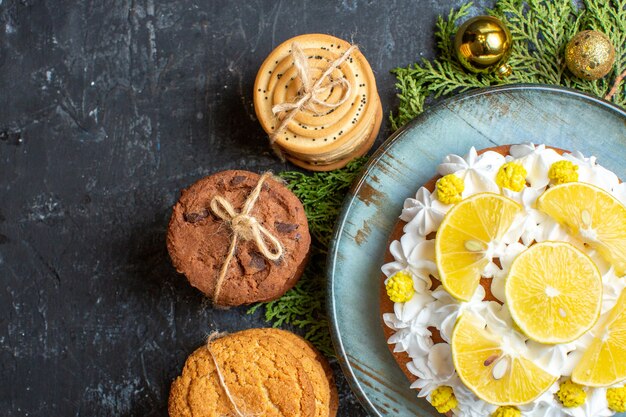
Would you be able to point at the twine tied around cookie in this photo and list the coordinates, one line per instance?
(307, 96)
(213, 337)
(246, 227)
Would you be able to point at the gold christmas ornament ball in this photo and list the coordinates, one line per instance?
(589, 55)
(483, 45)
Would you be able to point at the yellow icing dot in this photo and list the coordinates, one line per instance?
(616, 398)
(400, 287)
(443, 399)
(507, 411)
(563, 171)
(571, 394)
(512, 176)
(449, 189)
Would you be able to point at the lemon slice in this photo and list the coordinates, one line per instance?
(465, 238)
(604, 362)
(554, 292)
(491, 370)
(591, 214)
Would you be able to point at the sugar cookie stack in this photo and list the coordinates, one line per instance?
(258, 372)
(340, 118)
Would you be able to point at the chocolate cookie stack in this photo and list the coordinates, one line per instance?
(258, 372)
(315, 95)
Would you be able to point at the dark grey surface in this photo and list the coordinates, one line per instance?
(107, 110)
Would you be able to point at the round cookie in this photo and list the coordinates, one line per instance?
(387, 306)
(262, 377)
(316, 366)
(198, 240)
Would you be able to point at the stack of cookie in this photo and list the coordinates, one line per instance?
(315, 95)
(257, 372)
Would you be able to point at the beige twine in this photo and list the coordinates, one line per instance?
(246, 227)
(309, 91)
(616, 84)
(213, 337)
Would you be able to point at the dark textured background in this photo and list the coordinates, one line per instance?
(107, 110)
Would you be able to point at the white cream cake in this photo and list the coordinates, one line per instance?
(429, 308)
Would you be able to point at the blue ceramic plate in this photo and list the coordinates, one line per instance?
(497, 116)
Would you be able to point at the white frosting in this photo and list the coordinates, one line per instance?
(446, 309)
(433, 369)
(613, 287)
(590, 172)
(435, 308)
(546, 405)
(414, 254)
(595, 405)
(470, 405)
(478, 172)
(552, 358)
(497, 283)
(423, 214)
(410, 322)
(619, 191)
(536, 160)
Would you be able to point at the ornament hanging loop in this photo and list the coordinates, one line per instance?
(504, 71)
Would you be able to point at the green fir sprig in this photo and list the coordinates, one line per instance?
(540, 31)
(322, 195)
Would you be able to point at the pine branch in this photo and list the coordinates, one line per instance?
(445, 30)
(434, 78)
(322, 195)
(413, 97)
(540, 30)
